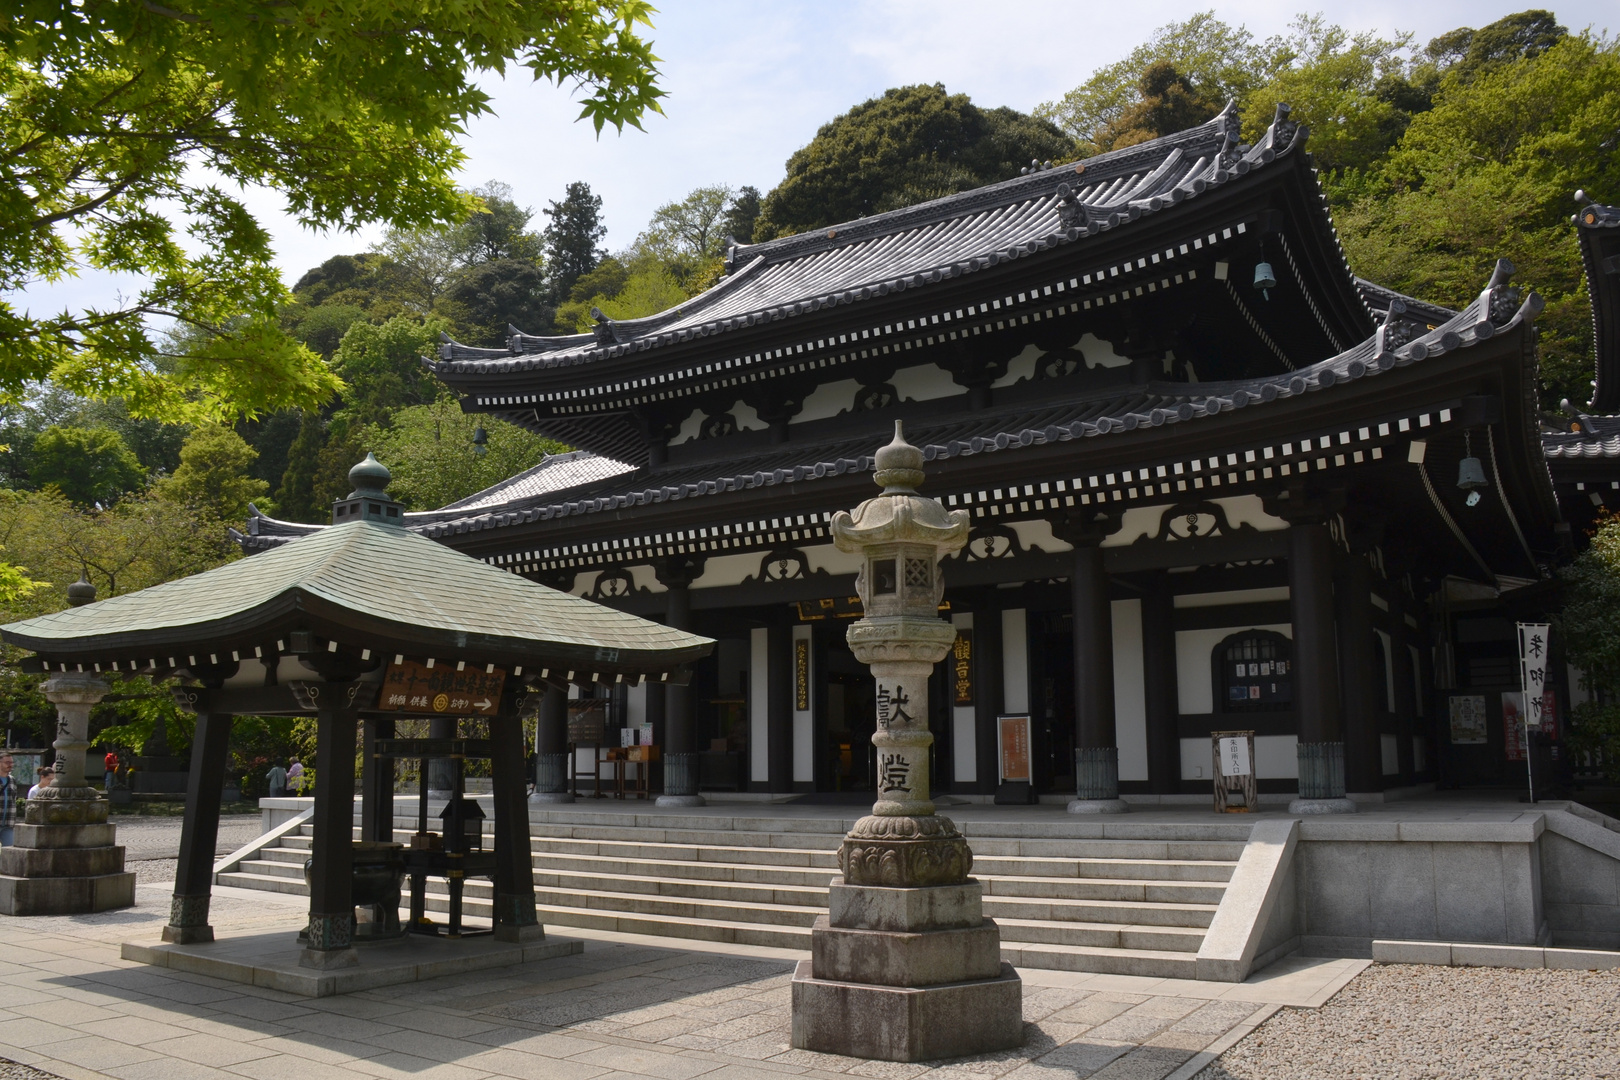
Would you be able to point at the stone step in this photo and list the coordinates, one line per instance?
(1087, 888)
(289, 869)
(1158, 850)
(671, 886)
(1152, 963)
(681, 907)
(1058, 910)
(1102, 935)
(240, 879)
(1128, 869)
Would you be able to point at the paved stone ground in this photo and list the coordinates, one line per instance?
(152, 844)
(1405, 1022)
(627, 1008)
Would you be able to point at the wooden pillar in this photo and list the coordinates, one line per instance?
(779, 704)
(199, 832)
(551, 746)
(1163, 703)
(515, 918)
(681, 760)
(988, 693)
(376, 782)
(1096, 751)
(1316, 669)
(331, 886)
(1360, 690)
(1405, 696)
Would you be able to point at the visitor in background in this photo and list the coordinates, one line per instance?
(10, 796)
(276, 781)
(295, 777)
(111, 763)
(47, 777)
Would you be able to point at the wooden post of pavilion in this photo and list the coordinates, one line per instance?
(199, 832)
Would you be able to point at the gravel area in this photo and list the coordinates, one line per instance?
(1406, 1022)
(10, 1070)
(152, 845)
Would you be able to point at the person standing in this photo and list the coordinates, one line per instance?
(276, 781)
(47, 777)
(10, 796)
(295, 777)
(111, 763)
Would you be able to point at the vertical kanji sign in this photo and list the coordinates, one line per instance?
(1533, 670)
(1533, 678)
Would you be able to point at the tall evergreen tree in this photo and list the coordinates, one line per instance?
(573, 239)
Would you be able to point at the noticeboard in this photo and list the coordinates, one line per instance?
(1234, 771)
(1013, 739)
(416, 688)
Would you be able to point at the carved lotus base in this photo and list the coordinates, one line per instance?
(905, 852)
(67, 806)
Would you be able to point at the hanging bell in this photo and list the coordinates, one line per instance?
(480, 441)
(1264, 279)
(1471, 477)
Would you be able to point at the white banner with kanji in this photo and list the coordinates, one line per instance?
(1533, 670)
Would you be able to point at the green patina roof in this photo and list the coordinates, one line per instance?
(369, 580)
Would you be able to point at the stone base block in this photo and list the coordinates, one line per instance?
(1098, 806)
(65, 836)
(1322, 806)
(67, 862)
(891, 958)
(876, 907)
(524, 935)
(329, 959)
(552, 797)
(66, 895)
(188, 935)
(891, 1023)
(681, 800)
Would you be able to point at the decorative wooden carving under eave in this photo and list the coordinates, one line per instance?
(678, 571)
(616, 584)
(1195, 521)
(1086, 527)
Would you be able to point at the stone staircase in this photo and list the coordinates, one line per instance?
(1135, 905)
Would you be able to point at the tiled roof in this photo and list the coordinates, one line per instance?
(557, 472)
(917, 246)
(387, 579)
(1603, 441)
(1597, 228)
(1495, 311)
(1381, 300)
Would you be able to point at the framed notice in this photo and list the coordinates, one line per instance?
(1467, 719)
(1013, 732)
(1233, 753)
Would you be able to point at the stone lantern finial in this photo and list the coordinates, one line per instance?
(899, 465)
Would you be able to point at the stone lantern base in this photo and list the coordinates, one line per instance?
(906, 974)
(64, 862)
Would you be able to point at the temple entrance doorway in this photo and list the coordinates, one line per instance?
(1051, 700)
(845, 755)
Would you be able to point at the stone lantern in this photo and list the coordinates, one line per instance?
(904, 967)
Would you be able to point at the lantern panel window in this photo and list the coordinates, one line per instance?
(883, 577)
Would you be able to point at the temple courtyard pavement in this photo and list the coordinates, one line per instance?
(631, 1007)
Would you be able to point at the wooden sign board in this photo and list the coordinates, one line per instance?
(961, 661)
(1233, 753)
(1014, 746)
(442, 690)
(588, 722)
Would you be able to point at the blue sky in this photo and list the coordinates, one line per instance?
(749, 83)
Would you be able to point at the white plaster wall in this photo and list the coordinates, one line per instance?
(1020, 367)
(924, 382)
(1389, 669)
(1275, 757)
(1100, 353)
(1389, 749)
(804, 724)
(1130, 694)
(747, 416)
(1193, 648)
(827, 400)
(635, 705)
(689, 427)
(759, 732)
(642, 576)
(827, 557)
(964, 720)
(1240, 510)
(1231, 596)
(721, 570)
(1014, 661)
(1036, 535)
(1137, 522)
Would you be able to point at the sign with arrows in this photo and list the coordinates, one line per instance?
(416, 688)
